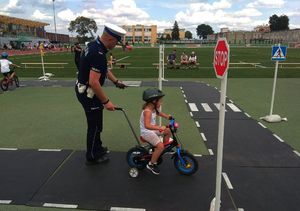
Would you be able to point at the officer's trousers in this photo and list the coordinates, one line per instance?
(93, 109)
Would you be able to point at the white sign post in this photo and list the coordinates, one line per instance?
(221, 63)
(160, 72)
(278, 54)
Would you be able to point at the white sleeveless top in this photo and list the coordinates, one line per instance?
(143, 129)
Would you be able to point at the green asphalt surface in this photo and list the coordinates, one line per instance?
(51, 117)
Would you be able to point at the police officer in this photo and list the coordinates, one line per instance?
(92, 74)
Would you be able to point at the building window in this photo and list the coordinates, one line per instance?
(138, 29)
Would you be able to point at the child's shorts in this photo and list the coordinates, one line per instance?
(152, 137)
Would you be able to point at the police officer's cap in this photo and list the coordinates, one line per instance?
(114, 31)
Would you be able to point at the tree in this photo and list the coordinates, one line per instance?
(279, 23)
(168, 37)
(203, 30)
(188, 35)
(175, 31)
(82, 26)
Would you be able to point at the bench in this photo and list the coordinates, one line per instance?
(178, 65)
(289, 65)
(34, 65)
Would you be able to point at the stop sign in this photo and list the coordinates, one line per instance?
(221, 58)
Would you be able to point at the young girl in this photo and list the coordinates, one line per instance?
(150, 131)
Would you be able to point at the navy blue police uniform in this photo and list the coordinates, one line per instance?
(93, 58)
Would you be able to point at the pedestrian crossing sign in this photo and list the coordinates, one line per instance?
(279, 53)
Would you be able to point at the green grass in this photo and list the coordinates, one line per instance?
(254, 96)
(49, 117)
(141, 60)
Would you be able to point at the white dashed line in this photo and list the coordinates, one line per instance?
(9, 149)
(193, 107)
(191, 114)
(279, 139)
(185, 101)
(197, 124)
(5, 201)
(297, 153)
(203, 137)
(261, 124)
(206, 107)
(197, 155)
(49, 150)
(247, 115)
(229, 185)
(184, 95)
(126, 209)
(210, 152)
(241, 209)
(230, 101)
(69, 206)
(233, 107)
(180, 87)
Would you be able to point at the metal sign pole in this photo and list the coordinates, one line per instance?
(274, 87)
(161, 60)
(220, 142)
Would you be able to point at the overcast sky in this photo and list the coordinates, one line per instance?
(234, 14)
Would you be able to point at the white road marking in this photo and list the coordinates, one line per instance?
(210, 152)
(203, 137)
(9, 149)
(5, 201)
(278, 137)
(233, 107)
(197, 155)
(241, 209)
(218, 106)
(185, 101)
(247, 115)
(126, 209)
(49, 150)
(206, 107)
(184, 95)
(180, 87)
(297, 153)
(197, 124)
(230, 101)
(193, 107)
(229, 185)
(261, 124)
(122, 58)
(69, 206)
(191, 114)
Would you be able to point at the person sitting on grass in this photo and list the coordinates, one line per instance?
(184, 59)
(172, 59)
(150, 131)
(193, 59)
(5, 66)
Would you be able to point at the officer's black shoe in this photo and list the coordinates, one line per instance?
(100, 160)
(104, 151)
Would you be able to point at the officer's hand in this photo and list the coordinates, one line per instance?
(120, 84)
(110, 106)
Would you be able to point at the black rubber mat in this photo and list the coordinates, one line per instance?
(246, 143)
(23, 172)
(109, 185)
(261, 189)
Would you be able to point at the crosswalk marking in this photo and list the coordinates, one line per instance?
(206, 107)
(218, 106)
(233, 107)
(193, 107)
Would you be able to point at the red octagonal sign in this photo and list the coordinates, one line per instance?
(221, 58)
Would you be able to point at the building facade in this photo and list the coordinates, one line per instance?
(169, 32)
(140, 33)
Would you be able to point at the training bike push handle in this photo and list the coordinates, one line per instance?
(119, 109)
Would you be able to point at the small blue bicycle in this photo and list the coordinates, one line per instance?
(139, 156)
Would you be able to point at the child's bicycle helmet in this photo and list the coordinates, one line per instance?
(152, 94)
(4, 55)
